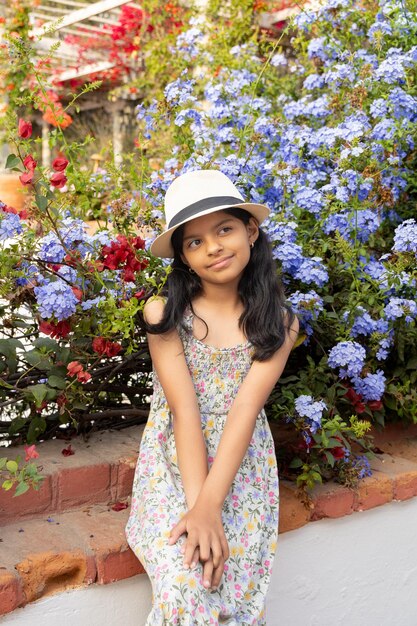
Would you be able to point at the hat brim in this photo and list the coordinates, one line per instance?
(162, 247)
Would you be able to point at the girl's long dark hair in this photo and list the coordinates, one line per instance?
(266, 317)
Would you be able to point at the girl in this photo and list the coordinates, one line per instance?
(204, 515)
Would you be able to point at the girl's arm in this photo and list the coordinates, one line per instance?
(167, 354)
(234, 442)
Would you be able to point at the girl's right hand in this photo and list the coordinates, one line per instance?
(205, 537)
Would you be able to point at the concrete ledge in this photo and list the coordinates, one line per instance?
(68, 535)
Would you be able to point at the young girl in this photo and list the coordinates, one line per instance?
(204, 515)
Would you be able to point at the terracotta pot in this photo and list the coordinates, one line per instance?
(12, 192)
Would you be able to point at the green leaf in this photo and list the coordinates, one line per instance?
(12, 467)
(49, 344)
(329, 457)
(38, 392)
(3, 461)
(38, 360)
(36, 428)
(12, 161)
(296, 462)
(41, 202)
(8, 484)
(16, 425)
(55, 381)
(21, 488)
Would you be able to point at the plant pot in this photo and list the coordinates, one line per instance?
(12, 192)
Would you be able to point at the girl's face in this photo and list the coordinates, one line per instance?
(217, 246)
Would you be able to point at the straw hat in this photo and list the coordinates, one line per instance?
(195, 194)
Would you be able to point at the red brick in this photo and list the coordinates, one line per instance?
(28, 504)
(293, 513)
(47, 573)
(11, 594)
(80, 485)
(332, 500)
(125, 475)
(117, 566)
(405, 486)
(373, 491)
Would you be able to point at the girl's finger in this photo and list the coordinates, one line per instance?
(217, 575)
(208, 573)
(225, 547)
(176, 532)
(191, 546)
(196, 557)
(217, 552)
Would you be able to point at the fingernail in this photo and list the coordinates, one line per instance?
(207, 583)
(186, 566)
(193, 564)
(214, 588)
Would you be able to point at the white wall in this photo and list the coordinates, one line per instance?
(359, 570)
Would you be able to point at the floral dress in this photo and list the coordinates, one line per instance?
(250, 511)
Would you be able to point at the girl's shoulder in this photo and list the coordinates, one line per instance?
(153, 310)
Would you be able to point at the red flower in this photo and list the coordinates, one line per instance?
(58, 180)
(375, 405)
(29, 162)
(139, 294)
(56, 330)
(74, 367)
(25, 129)
(31, 453)
(106, 347)
(62, 400)
(77, 293)
(27, 177)
(68, 451)
(59, 164)
(83, 377)
(119, 506)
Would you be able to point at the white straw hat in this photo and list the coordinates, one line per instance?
(195, 194)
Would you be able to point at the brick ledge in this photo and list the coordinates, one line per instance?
(67, 535)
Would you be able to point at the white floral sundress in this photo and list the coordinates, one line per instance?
(250, 511)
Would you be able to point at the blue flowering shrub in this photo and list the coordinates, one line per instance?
(319, 124)
(323, 131)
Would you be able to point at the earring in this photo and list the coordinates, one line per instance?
(252, 245)
(190, 269)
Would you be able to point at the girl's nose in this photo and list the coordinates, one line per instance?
(214, 246)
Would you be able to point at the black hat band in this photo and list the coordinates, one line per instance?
(201, 205)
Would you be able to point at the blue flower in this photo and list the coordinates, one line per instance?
(309, 199)
(10, 226)
(56, 299)
(290, 255)
(378, 29)
(361, 464)
(371, 387)
(311, 410)
(307, 307)
(314, 81)
(363, 324)
(313, 271)
(401, 307)
(180, 92)
(349, 356)
(385, 129)
(405, 238)
(379, 108)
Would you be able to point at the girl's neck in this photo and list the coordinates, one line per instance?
(219, 298)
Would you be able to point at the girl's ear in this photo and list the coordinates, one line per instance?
(252, 230)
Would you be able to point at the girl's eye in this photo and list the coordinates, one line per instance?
(225, 229)
(193, 244)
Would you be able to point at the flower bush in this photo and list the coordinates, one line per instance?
(321, 126)
(324, 133)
